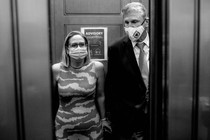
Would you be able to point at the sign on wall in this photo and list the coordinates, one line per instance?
(97, 37)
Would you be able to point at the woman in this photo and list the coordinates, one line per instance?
(81, 91)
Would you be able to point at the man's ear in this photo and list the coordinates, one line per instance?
(146, 23)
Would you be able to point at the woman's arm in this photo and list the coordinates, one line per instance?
(100, 88)
(101, 97)
(55, 70)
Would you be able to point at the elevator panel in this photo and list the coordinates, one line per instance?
(180, 69)
(8, 117)
(204, 72)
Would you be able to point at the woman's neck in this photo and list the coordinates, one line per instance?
(77, 63)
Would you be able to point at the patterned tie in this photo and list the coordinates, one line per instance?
(143, 63)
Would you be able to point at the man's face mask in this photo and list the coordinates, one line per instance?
(134, 33)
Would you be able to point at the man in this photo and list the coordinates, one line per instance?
(127, 76)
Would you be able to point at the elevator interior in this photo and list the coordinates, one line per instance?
(180, 70)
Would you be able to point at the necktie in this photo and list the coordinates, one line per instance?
(143, 63)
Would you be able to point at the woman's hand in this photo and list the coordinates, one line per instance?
(106, 124)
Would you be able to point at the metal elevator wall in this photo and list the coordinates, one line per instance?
(8, 117)
(25, 86)
(204, 72)
(188, 70)
(180, 69)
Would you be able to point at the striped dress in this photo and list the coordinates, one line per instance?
(77, 116)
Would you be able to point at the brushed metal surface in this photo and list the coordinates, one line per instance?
(8, 118)
(180, 69)
(204, 75)
(35, 68)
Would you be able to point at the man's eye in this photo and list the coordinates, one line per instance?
(134, 21)
(126, 22)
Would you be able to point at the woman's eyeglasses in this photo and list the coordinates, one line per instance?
(75, 45)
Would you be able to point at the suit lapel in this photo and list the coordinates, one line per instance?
(130, 59)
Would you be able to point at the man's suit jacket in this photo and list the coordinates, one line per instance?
(124, 86)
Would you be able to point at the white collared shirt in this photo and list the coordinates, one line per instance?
(145, 49)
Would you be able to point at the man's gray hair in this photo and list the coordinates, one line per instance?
(135, 6)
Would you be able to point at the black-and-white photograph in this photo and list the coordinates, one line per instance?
(104, 70)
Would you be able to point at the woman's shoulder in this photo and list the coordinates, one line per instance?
(98, 64)
(56, 70)
(56, 67)
(99, 67)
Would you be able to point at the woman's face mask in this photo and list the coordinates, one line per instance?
(78, 50)
(134, 33)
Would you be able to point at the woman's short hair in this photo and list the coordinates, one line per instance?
(135, 6)
(65, 58)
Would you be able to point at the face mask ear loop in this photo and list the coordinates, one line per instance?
(143, 22)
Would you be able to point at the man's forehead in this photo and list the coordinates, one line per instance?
(133, 16)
